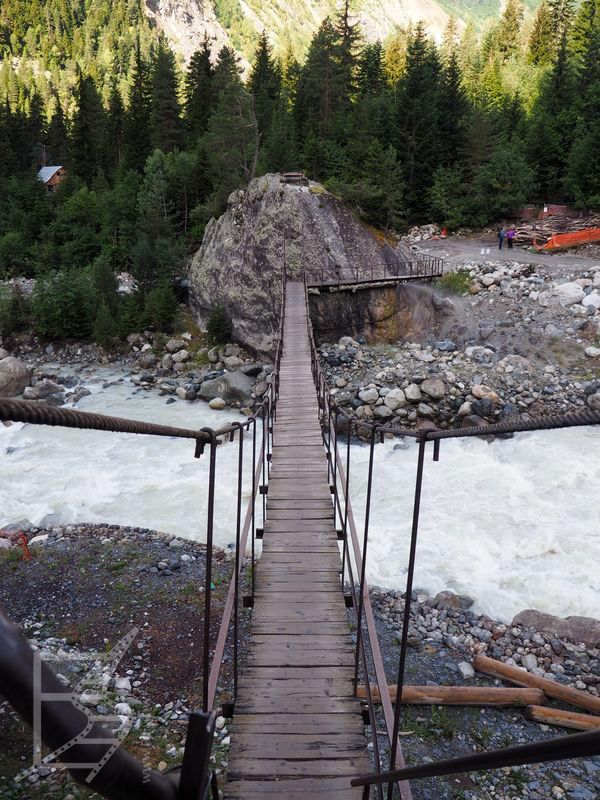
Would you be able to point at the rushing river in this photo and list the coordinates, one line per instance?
(513, 523)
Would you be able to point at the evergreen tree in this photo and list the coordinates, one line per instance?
(136, 129)
(508, 36)
(417, 120)
(540, 39)
(57, 139)
(87, 131)
(348, 47)
(265, 84)
(115, 131)
(452, 114)
(165, 116)
(199, 92)
(319, 86)
(104, 326)
(371, 80)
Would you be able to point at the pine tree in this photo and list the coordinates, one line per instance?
(87, 131)
(348, 47)
(371, 79)
(508, 35)
(136, 130)
(540, 39)
(115, 131)
(417, 119)
(57, 139)
(450, 41)
(104, 326)
(199, 92)
(165, 116)
(227, 72)
(452, 114)
(264, 83)
(319, 85)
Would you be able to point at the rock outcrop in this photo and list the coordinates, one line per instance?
(240, 262)
(14, 377)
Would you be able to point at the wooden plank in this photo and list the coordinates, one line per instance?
(458, 695)
(564, 719)
(242, 767)
(505, 672)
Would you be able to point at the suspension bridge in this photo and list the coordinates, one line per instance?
(298, 728)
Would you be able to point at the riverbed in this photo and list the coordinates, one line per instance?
(512, 523)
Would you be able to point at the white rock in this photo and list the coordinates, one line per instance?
(466, 670)
(180, 356)
(395, 398)
(412, 393)
(592, 299)
(370, 395)
(529, 661)
(43, 538)
(90, 699)
(123, 709)
(217, 403)
(567, 294)
(123, 684)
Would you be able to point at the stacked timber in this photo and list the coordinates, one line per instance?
(539, 231)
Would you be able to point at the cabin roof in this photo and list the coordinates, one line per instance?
(46, 173)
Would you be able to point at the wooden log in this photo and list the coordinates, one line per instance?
(505, 672)
(565, 719)
(459, 695)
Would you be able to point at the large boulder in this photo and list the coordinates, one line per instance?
(239, 264)
(575, 629)
(233, 387)
(14, 377)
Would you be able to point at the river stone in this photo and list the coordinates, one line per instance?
(592, 352)
(519, 363)
(591, 299)
(213, 355)
(232, 387)
(566, 294)
(260, 388)
(426, 411)
(14, 376)
(412, 393)
(41, 390)
(167, 361)
(232, 362)
(174, 345)
(370, 395)
(529, 661)
(466, 670)
(217, 403)
(3, 353)
(147, 360)
(484, 393)
(395, 399)
(481, 355)
(434, 387)
(383, 412)
(575, 629)
(448, 599)
(593, 401)
(180, 356)
(252, 370)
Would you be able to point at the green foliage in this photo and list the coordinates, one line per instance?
(457, 282)
(219, 327)
(15, 310)
(104, 327)
(64, 305)
(160, 308)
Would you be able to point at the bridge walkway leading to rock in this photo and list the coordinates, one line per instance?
(297, 731)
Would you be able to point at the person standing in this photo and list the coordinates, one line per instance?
(510, 235)
(501, 235)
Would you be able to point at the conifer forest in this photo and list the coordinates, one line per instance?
(404, 130)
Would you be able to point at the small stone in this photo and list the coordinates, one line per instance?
(174, 345)
(217, 403)
(369, 396)
(466, 670)
(434, 387)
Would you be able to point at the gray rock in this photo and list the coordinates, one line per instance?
(412, 393)
(425, 411)
(186, 392)
(14, 377)
(180, 356)
(395, 399)
(466, 670)
(446, 346)
(576, 629)
(593, 401)
(217, 403)
(434, 387)
(3, 353)
(260, 388)
(174, 345)
(232, 363)
(232, 387)
(529, 661)
(41, 390)
(383, 412)
(252, 370)
(447, 599)
(213, 355)
(167, 361)
(370, 395)
(147, 360)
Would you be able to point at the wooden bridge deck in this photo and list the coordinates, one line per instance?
(297, 731)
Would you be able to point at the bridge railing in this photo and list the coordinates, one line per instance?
(64, 724)
(339, 428)
(423, 267)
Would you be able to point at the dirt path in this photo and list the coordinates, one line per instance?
(458, 249)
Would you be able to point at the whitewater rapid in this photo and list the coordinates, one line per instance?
(512, 523)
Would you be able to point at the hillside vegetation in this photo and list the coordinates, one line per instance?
(404, 131)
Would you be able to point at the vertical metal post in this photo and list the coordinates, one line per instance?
(345, 549)
(253, 502)
(363, 568)
(210, 512)
(407, 604)
(238, 556)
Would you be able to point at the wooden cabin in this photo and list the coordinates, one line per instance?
(52, 176)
